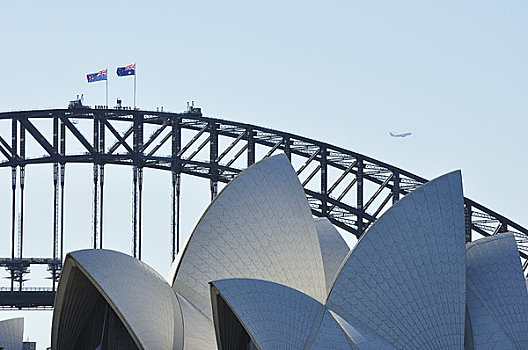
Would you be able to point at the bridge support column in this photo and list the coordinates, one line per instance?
(287, 147)
(53, 268)
(54, 272)
(20, 272)
(360, 196)
(251, 147)
(467, 219)
(137, 176)
(134, 211)
(324, 180)
(213, 155)
(95, 181)
(62, 175)
(101, 181)
(101, 197)
(95, 204)
(396, 187)
(14, 148)
(140, 207)
(176, 183)
(176, 178)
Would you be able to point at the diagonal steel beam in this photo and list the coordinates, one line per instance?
(78, 135)
(308, 161)
(5, 153)
(200, 147)
(37, 135)
(230, 147)
(193, 140)
(274, 148)
(6, 149)
(120, 140)
(155, 135)
(158, 146)
(342, 177)
(312, 174)
(239, 153)
(378, 191)
(382, 205)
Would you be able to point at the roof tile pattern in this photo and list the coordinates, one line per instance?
(405, 279)
(12, 333)
(486, 333)
(144, 301)
(496, 281)
(278, 317)
(333, 248)
(198, 330)
(260, 226)
(331, 336)
(362, 337)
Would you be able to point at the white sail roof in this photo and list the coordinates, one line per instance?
(405, 279)
(12, 333)
(260, 226)
(333, 248)
(497, 298)
(143, 300)
(279, 317)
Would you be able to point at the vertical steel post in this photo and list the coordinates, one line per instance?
(324, 179)
(62, 174)
(467, 221)
(140, 180)
(176, 178)
(95, 179)
(14, 148)
(134, 211)
(287, 147)
(360, 196)
(55, 199)
(140, 207)
(251, 147)
(396, 186)
(101, 179)
(137, 175)
(213, 155)
(22, 184)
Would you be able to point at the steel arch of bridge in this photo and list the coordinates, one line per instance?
(328, 197)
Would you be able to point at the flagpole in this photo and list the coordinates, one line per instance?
(106, 88)
(135, 74)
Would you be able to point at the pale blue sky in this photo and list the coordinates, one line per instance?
(345, 72)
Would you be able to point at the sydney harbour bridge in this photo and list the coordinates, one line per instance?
(348, 188)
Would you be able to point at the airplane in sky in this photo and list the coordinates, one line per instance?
(405, 134)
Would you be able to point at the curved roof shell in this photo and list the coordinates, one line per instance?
(12, 333)
(249, 231)
(198, 329)
(405, 279)
(333, 249)
(144, 302)
(497, 299)
(278, 317)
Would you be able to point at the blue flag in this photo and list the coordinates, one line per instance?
(128, 70)
(101, 75)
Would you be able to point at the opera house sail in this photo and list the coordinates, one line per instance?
(12, 334)
(259, 272)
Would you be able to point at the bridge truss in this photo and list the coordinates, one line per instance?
(348, 188)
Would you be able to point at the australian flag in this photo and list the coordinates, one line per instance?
(101, 75)
(128, 70)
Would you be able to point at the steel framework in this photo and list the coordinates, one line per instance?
(348, 188)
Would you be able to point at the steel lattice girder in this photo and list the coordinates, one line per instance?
(354, 170)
